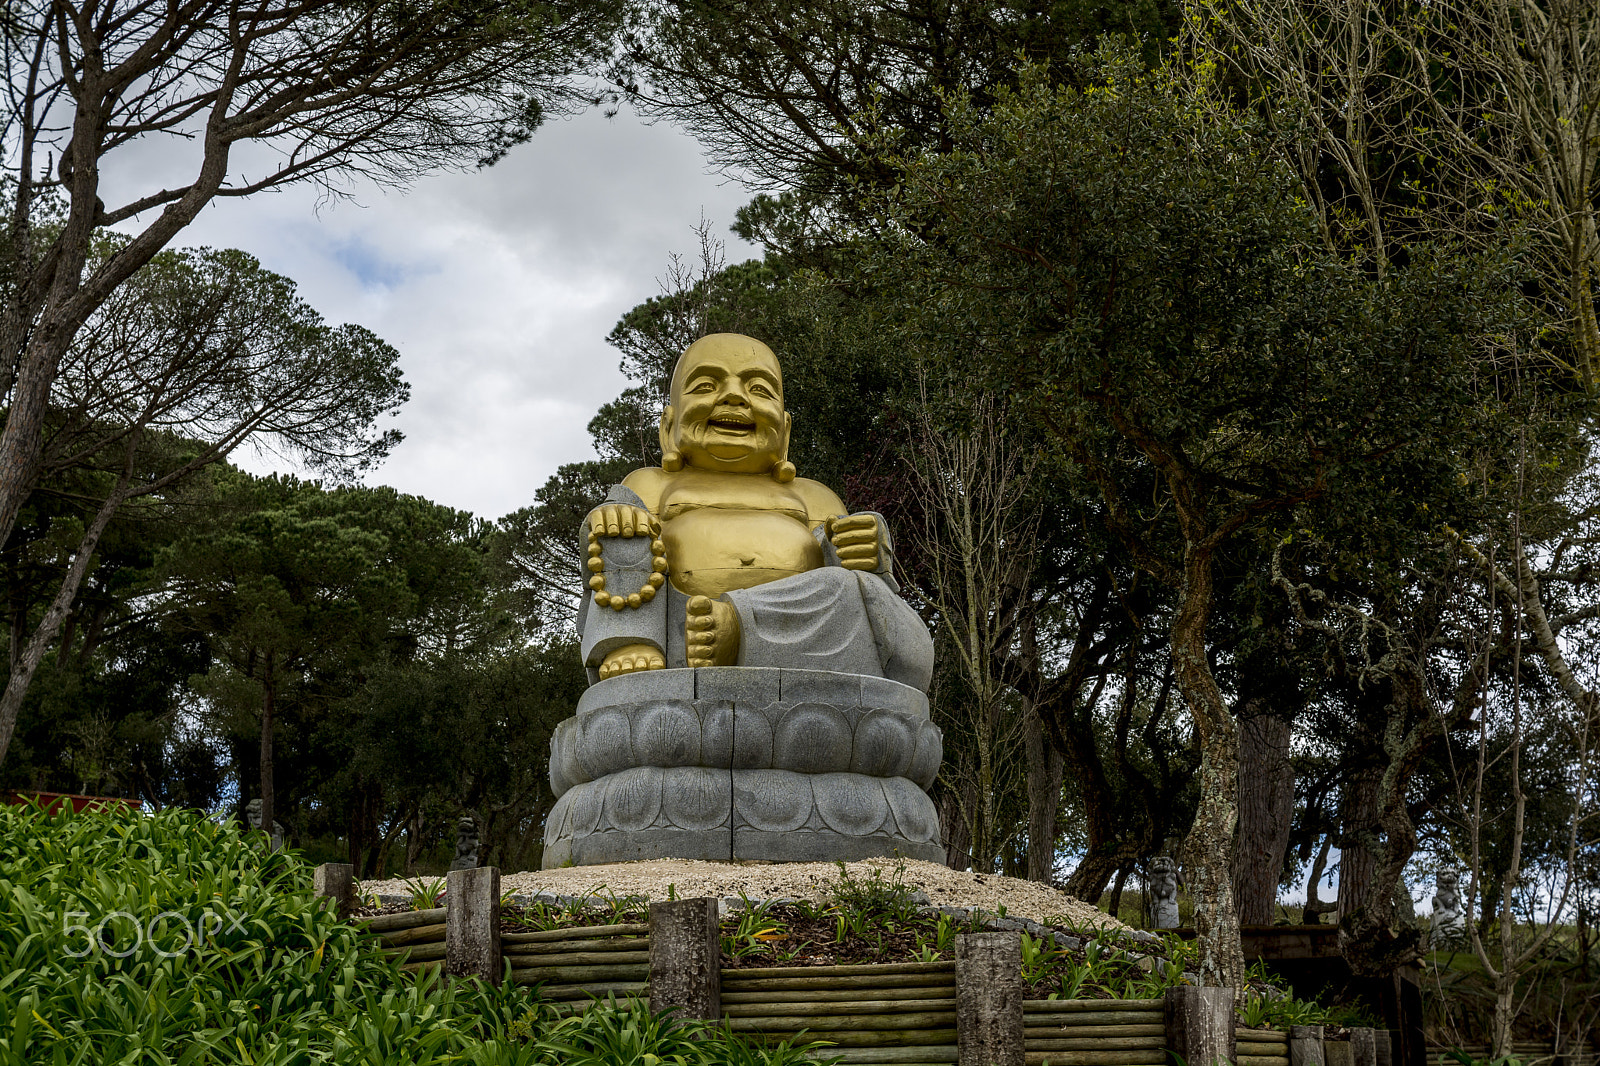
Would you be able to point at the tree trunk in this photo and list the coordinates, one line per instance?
(1044, 798)
(24, 666)
(1358, 862)
(1210, 846)
(1505, 1012)
(1114, 904)
(1266, 807)
(416, 827)
(357, 837)
(268, 684)
(1088, 882)
(957, 834)
(1315, 908)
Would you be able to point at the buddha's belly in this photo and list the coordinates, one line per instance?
(712, 550)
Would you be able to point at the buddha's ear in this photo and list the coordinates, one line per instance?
(671, 458)
(783, 470)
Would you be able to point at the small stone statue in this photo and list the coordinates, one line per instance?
(467, 844)
(1449, 923)
(252, 812)
(1163, 889)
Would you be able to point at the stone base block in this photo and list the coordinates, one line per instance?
(692, 812)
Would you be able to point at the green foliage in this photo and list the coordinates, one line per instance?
(425, 892)
(234, 961)
(1104, 967)
(595, 906)
(630, 1033)
(1131, 257)
(780, 88)
(1261, 1011)
(753, 930)
(874, 900)
(1036, 957)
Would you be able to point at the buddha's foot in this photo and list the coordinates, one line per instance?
(713, 632)
(631, 658)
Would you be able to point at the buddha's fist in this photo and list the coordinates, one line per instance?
(632, 658)
(622, 520)
(858, 540)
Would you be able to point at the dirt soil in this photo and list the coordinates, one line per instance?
(654, 878)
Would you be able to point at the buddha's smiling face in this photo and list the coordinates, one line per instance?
(727, 410)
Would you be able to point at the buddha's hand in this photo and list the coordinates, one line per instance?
(858, 540)
(622, 520)
(631, 658)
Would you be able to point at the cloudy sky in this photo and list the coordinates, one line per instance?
(498, 288)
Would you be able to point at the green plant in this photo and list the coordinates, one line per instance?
(1037, 955)
(612, 1034)
(1255, 1012)
(753, 929)
(1074, 976)
(1351, 1015)
(874, 901)
(425, 893)
(166, 939)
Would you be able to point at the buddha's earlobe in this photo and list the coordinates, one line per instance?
(671, 458)
(783, 470)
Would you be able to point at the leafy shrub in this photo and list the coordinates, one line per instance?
(167, 939)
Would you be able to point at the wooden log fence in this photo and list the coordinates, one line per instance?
(1095, 1032)
(1261, 1047)
(902, 1013)
(895, 1014)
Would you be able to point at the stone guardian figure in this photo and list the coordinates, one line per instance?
(467, 844)
(1163, 889)
(1448, 926)
(252, 813)
(757, 682)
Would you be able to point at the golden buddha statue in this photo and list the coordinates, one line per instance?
(768, 568)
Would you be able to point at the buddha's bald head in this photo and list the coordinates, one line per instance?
(725, 410)
(728, 350)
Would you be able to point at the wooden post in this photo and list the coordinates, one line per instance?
(1383, 1046)
(1363, 1047)
(1200, 1025)
(336, 881)
(989, 999)
(472, 924)
(1338, 1052)
(685, 959)
(1305, 1046)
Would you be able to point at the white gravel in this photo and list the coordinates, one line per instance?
(796, 880)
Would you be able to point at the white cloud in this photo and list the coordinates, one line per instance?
(498, 288)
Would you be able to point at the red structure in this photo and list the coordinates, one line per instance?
(52, 801)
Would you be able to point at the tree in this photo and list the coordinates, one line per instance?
(790, 92)
(1130, 261)
(195, 354)
(293, 582)
(1559, 728)
(1450, 117)
(328, 90)
(974, 550)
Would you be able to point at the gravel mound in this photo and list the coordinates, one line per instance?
(655, 878)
